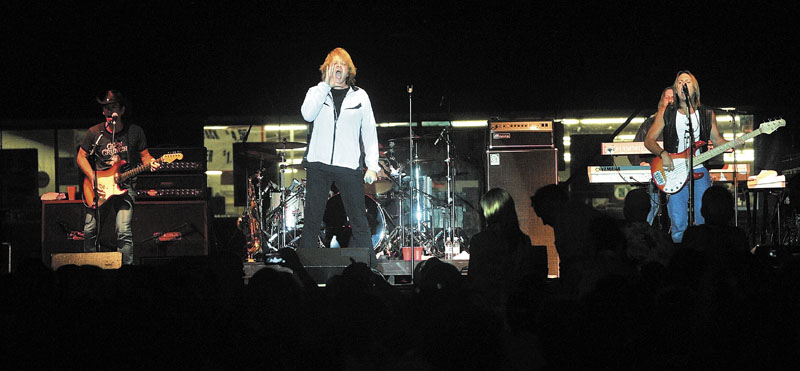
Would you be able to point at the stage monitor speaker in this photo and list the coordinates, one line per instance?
(169, 229)
(105, 260)
(62, 228)
(521, 173)
(322, 264)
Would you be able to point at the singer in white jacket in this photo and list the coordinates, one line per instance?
(342, 141)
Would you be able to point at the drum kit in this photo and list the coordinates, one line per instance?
(401, 206)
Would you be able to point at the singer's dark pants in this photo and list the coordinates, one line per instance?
(351, 188)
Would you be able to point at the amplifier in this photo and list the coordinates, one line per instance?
(170, 193)
(521, 134)
(171, 186)
(194, 159)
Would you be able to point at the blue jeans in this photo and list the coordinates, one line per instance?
(654, 194)
(677, 206)
(122, 207)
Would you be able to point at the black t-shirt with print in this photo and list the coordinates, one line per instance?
(127, 144)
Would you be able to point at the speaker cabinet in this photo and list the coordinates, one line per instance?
(322, 264)
(169, 229)
(160, 229)
(521, 172)
(62, 228)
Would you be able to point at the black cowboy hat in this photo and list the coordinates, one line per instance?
(112, 96)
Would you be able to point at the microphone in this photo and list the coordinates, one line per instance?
(441, 134)
(685, 92)
(294, 185)
(94, 146)
(114, 118)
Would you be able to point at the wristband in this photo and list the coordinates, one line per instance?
(662, 152)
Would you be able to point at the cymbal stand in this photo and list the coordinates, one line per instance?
(282, 187)
(450, 244)
(401, 195)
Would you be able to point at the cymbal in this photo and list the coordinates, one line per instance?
(258, 151)
(415, 137)
(286, 145)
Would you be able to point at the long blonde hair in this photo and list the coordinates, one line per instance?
(696, 95)
(351, 68)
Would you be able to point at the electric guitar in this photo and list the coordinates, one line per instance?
(108, 180)
(673, 180)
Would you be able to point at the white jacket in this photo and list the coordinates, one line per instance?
(335, 141)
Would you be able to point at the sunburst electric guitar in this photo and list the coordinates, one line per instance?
(108, 180)
(673, 180)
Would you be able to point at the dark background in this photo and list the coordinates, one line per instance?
(180, 62)
(195, 59)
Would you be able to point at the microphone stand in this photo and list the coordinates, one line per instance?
(411, 154)
(690, 208)
(451, 204)
(735, 173)
(95, 208)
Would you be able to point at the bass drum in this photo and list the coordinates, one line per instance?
(336, 226)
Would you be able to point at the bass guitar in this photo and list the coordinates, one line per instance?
(108, 180)
(671, 181)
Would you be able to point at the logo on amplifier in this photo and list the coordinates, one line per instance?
(494, 159)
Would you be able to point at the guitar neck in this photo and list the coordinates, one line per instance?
(133, 172)
(705, 156)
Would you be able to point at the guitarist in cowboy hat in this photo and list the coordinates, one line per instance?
(111, 145)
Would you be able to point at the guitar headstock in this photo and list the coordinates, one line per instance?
(170, 157)
(770, 126)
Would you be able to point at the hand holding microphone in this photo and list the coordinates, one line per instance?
(370, 177)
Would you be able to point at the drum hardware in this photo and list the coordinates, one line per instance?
(411, 190)
(451, 244)
(258, 224)
(251, 223)
(283, 145)
(336, 225)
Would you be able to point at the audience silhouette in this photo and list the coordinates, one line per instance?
(709, 303)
